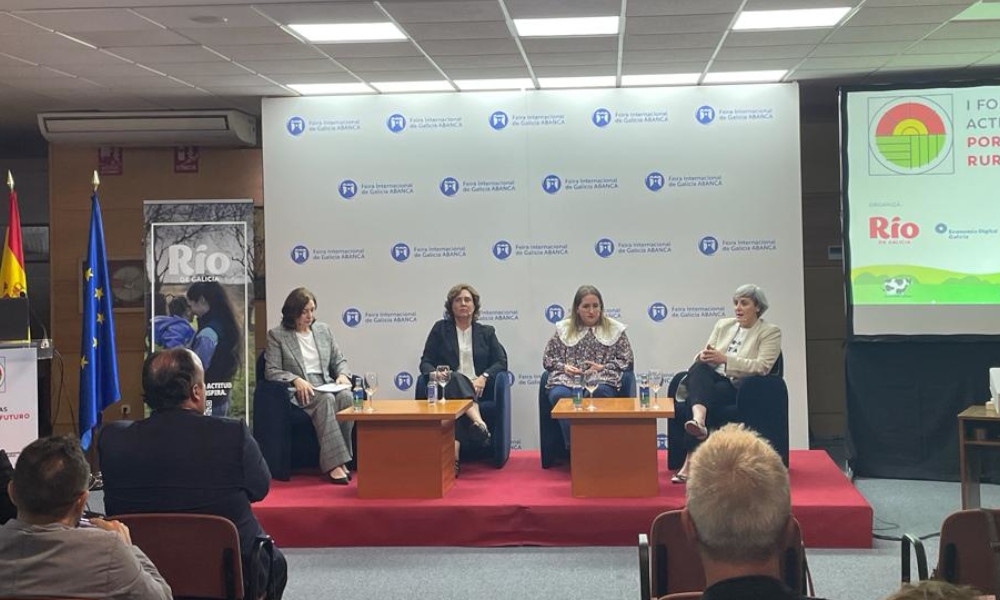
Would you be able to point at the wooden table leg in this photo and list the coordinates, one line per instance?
(970, 464)
(629, 471)
(405, 459)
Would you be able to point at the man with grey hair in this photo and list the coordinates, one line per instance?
(48, 550)
(739, 514)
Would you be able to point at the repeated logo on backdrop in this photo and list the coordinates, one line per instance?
(403, 381)
(300, 254)
(657, 311)
(710, 245)
(554, 313)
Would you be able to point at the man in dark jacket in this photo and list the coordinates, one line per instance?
(179, 460)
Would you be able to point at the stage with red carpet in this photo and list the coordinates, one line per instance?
(523, 504)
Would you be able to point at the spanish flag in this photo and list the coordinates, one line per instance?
(13, 282)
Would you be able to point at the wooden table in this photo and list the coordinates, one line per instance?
(613, 448)
(406, 448)
(978, 430)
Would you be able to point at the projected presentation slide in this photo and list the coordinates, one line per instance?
(922, 209)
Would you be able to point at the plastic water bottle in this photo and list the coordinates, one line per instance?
(644, 397)
(208, 406)
(359, 395)
(577, 392)
(432, 392)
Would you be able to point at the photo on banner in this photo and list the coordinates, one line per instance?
(199, 293)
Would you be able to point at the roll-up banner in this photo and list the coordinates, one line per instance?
(18, 399)
(199, 270)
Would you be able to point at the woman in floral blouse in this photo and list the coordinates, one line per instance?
(586, 342)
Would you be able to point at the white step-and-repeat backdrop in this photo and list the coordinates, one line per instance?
(665, 199)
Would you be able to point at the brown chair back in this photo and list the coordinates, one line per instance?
(198, 555)
(682, 596)
(675, 565)
(970, 550)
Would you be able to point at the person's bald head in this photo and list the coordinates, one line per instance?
(173, 378)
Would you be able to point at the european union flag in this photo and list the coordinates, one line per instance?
(98, 361)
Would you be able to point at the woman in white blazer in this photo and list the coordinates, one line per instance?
(738, 347)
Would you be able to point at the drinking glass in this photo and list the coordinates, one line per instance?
(444, 376)
(371, 386)
(655, 383)
(591, 384)
(577, 392)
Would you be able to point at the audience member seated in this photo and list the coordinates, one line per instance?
(473, 353)
(739, 515)
(49, 550)
(738, 347)
(303, 353)
(931, 589)
(180, 460)
(586, 343)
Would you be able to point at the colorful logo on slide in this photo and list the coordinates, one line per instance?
(911, 136)
(3, 375)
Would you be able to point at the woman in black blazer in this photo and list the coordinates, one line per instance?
(474, 354)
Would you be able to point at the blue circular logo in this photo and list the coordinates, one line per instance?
(502, 250)
(396, 123)
(348, 189)
(296, 126)
(499, 120)
(300, 254)
(604, 247)
(708, 245)
(400, 252)
(554, 313)
(657, 311)
(654, 181)
(601, 117)
(941, 228)
(705, 114)
(449, 186)
(351, 317)
(404, 381)
(551, 184)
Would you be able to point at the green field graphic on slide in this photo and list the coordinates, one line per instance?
(911, 151)
(909, 284)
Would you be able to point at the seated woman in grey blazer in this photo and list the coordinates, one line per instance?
(303, 353)
(738, 347)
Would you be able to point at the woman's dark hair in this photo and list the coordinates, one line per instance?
(51, 474)
(167, 378)
(221, 316)
(295, 303)
(178, 306)
(454, 292)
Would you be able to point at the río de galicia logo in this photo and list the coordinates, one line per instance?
(347, 189)
(499, 120)
(554, 313)
(300, 254)
(911, 135)
(396, 123)
(296, 126)
(351, 317)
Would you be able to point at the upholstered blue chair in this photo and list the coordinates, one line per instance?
(551, 442)
(761, 404)
(284, 431)
(494, 405)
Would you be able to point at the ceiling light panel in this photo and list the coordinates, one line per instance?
(790, 19)
(509, 83)
(348, 32)
(576, 82)
(566, 26)
(660, 79)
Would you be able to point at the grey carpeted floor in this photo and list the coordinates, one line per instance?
(608, 573)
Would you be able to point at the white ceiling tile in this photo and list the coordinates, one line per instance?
(23, 71)
(152, 37)
(236, 36)
(291, 50)
(469, 47)
(166, 54)
(374, 50)
(573, 59)
(570, 44)
(770, 64)
(802, 75)
(448, 31)
(669, 68)
(135, 83)
(860, 49)
(400, 63)
(485, 60)
(98, 19)
(57, 84)
(575, 71)
(783, 4)
(293, 67)
(776, 38)
(290, 78)
(217, 67)
(119, 69)
(991, 60)
(879, 3)
(846, 62)
(10, 25)
(936, 60)
(758, 52)
(667, 56)
(886, 33)
(506, 73)
(180, 17)
(958, 31)
(674, 40)
(409, 75)
(871, 17)
(648, 8)
(258, 90)
(245, 80)
(324, 12)
(444, 12)
(955, 46)
(531, 9)
(679, 24)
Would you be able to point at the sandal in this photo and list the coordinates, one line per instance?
(678, 478)
(696, 429)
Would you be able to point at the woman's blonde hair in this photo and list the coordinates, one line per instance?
(576, 324)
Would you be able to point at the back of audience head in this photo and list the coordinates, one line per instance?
(179, 307)
(169, 378)
(934, 590)
(738, 497)
(50, 479)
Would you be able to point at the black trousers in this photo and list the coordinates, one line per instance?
(710, 389)
(274, 576)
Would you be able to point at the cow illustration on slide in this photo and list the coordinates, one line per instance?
(896, 286)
